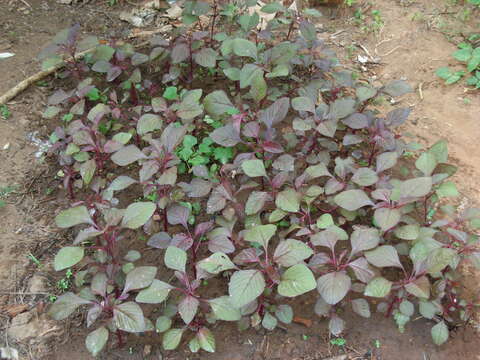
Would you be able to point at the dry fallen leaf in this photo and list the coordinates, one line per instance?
(303, 321)
(13, 310)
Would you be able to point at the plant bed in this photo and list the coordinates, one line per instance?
(229, 170)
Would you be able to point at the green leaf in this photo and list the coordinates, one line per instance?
(303, 103)
(261, 234)
(171, 339)
(187, 308)
(334, 286)
(194, 345)
(223, 309)
(73, 216)
(361, 307)
(439, 258)
(284, 313)
(223, 154)
(386, 218)
(127, 155)
(163, 323)
(103, 52)
(254, 168)
(256, 201)
(148, 123)
(440, 333)
(419, 288)
(217, 103)
(364, 239)
(447, 189)
(463, 54)
(440, 151)
(206, 57)
(352, 200)
(290, 252)
(96, 340)
(427, 309)
(216, 263)
(206, 340)
(170, 93)
(406, 308)
(87, 171)
(243, 47)
(232, 73)
(175, 258)
(65, 305)
(156, 293)
(308, 30)
(407, 232)
(269, 321)
(139, 278)
(258, 89)
(248, 22)
(365, 177)
(67, 257)
(272, 8)
(426, 163)
(325, 221)
(378, 287)
(296, 280)
(129, 317)
(383, 256)
(288, 200)
(245, 286)
(137, 214)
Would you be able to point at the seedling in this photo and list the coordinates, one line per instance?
(340, 342)
(469, 55)
(5, 113)
(32, 258)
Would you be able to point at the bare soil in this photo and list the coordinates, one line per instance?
(411, 45)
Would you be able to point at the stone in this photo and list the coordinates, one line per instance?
(37, 284)
(32, 328)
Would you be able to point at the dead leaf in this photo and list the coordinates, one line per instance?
(13, 310)
(303, 321)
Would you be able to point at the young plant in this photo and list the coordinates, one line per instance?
(470, 55)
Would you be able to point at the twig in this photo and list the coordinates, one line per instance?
(335, 34)
(420, 91)
(373, 60)
(391, 51)
(26, 3)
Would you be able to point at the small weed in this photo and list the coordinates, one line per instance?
(5, 113)
(338, 342)
(33, 259)
(305, 337)
(42, 83)
(469, 55)
(350, 3)
(65, 283)
(4, 193)
(377, 344)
